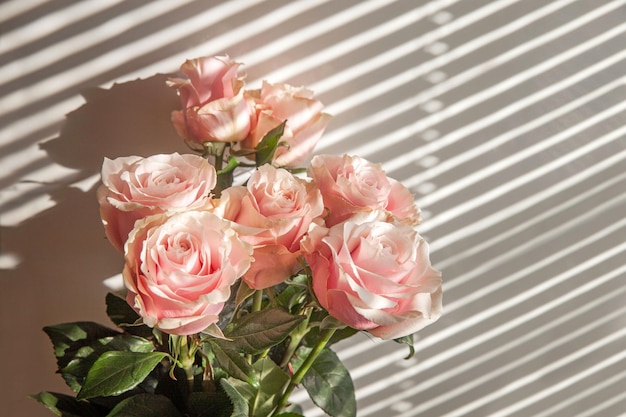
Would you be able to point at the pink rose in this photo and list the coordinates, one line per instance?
(213, 105)
(374, 275)
(272, 213)
(180, 267)
(351, 184)
(305, 121)
(135, 187)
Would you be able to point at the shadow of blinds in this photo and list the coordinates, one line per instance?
(506, 118)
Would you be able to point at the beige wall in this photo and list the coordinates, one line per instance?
(506, 118)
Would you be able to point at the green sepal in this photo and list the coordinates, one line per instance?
(407, 340)
(115, 372)
(267, 146)
(244, 292)
(328, 383)
(144, 405)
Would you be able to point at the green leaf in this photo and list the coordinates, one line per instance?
(329, 384)
(117, 372)
(67, 338)
(77, 346)
(295, 292)
(408, 340)
(314, 334)
(261, 397)
(290, 415)
(209, 404)
(127, 343)
(75, 372)
(230, 166)
(119, 311)
(240, 400)
(143, 405)
(230, 360)
(261, 330)
(125, 317)
(267, 146)
(66, 406)
(271, 383)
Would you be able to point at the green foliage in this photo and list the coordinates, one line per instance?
(407, 340)
(267, 146)
(67, 338)
(209, 404)
(230, 360)
(329, 384)
(125, 317)
(262, 395)
(235, 368)
(66, 406)
(142, 405)
(341, 333)
(116, 372)
(238, 399)
(261, 330)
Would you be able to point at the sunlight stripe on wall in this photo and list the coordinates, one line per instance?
(461, 51)
(521, 361)
(84, 40)
(460, 349)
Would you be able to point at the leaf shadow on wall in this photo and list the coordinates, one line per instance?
(63, 250)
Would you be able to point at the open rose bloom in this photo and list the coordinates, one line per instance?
(134, 187)
(374, 275)
(306, 122)
(180, 268)
(351, 184)
(272, 213)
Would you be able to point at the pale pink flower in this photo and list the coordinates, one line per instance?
(135, 187)
(351, 184)
(213, 106)
(180, 268)
(275, 103)
(272, 213)
(374, 275)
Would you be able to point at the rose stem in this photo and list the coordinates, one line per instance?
(257, 300)
(296, 337)
(297, 377)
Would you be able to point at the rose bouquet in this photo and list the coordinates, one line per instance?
(242, 269)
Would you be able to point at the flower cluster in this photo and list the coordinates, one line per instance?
(229, 283)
